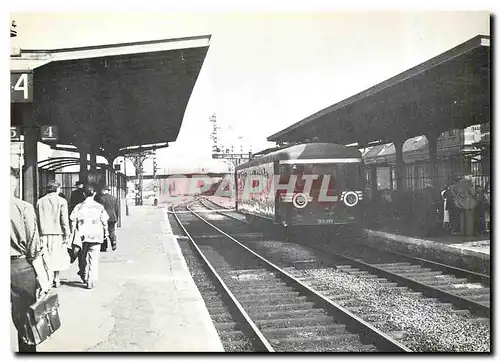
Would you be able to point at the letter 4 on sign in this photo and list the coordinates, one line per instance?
(21, 87)
(48, 133)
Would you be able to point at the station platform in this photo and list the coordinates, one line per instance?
(464, 252)
(145, 299)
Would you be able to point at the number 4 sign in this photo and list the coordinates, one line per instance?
(21, 85)
(48, 133)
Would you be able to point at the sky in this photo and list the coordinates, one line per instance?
(266, 71)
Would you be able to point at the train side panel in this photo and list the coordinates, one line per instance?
(260, 203)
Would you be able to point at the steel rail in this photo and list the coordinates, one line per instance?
(369, 332)
(264, 343)
(435, 292)
(472, 276)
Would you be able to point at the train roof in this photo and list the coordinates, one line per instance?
(306, 151)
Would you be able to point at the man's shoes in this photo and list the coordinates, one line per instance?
(57, 283)
(90, 285)
(113, 247)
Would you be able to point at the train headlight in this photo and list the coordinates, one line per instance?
(351, 198)
(300, 200)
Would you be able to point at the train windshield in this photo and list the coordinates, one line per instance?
(342, 175)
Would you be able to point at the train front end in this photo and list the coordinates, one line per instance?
(326, 192)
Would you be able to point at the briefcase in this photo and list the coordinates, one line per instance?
(42, 319)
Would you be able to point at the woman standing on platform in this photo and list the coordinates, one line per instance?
(92, 222)
(53, 223)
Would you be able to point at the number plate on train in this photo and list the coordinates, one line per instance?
(325, 221)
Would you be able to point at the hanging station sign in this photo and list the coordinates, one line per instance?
(48, 133)
(21, 87)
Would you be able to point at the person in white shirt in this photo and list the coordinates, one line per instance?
(91, 220)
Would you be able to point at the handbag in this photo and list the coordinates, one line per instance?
(42, 319)
(75, 245)
(42, 271)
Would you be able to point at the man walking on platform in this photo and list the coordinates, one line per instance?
(25, 248)
(91, 220)
(77, 196)
(111, 206)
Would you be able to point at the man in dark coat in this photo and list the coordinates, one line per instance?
(77, 196)
(111, 206)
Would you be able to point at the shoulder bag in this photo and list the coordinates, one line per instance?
(42, 319)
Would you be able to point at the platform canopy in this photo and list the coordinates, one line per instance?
(110, 99)
(447, 92)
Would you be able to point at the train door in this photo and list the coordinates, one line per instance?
(280, 207)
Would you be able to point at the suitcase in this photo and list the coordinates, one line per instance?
(42, 319)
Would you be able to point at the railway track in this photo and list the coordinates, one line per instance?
(461, 288)
(274, 310)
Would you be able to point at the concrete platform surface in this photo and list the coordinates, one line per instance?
(145, 300)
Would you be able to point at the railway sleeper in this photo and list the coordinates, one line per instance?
(388, 265)
(419, 273)
(250, 295)
(264, 283)
(472, 291)
(340, 338)
(482, 320)
(461, 311)
(225, 326)
(398, 287)
(232, 336)
(251, 271)
(305, 331)
(212, 299)
(222, 318)
(478, 298)
(311, 313)
(335, 341)
(209, 293)
(359, 348)
(260, 300)
(411, 293)
(281, 307)
(238, 346)
(398, 267)
(214, 311)
(370, 276)
(361, 273)
(248, 278)
(387, 283)
(296, 322)
(350, 269)
(261, 289)
(215, 303)
(434, 280)
(438, 304)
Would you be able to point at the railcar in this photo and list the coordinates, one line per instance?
(303, 185)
